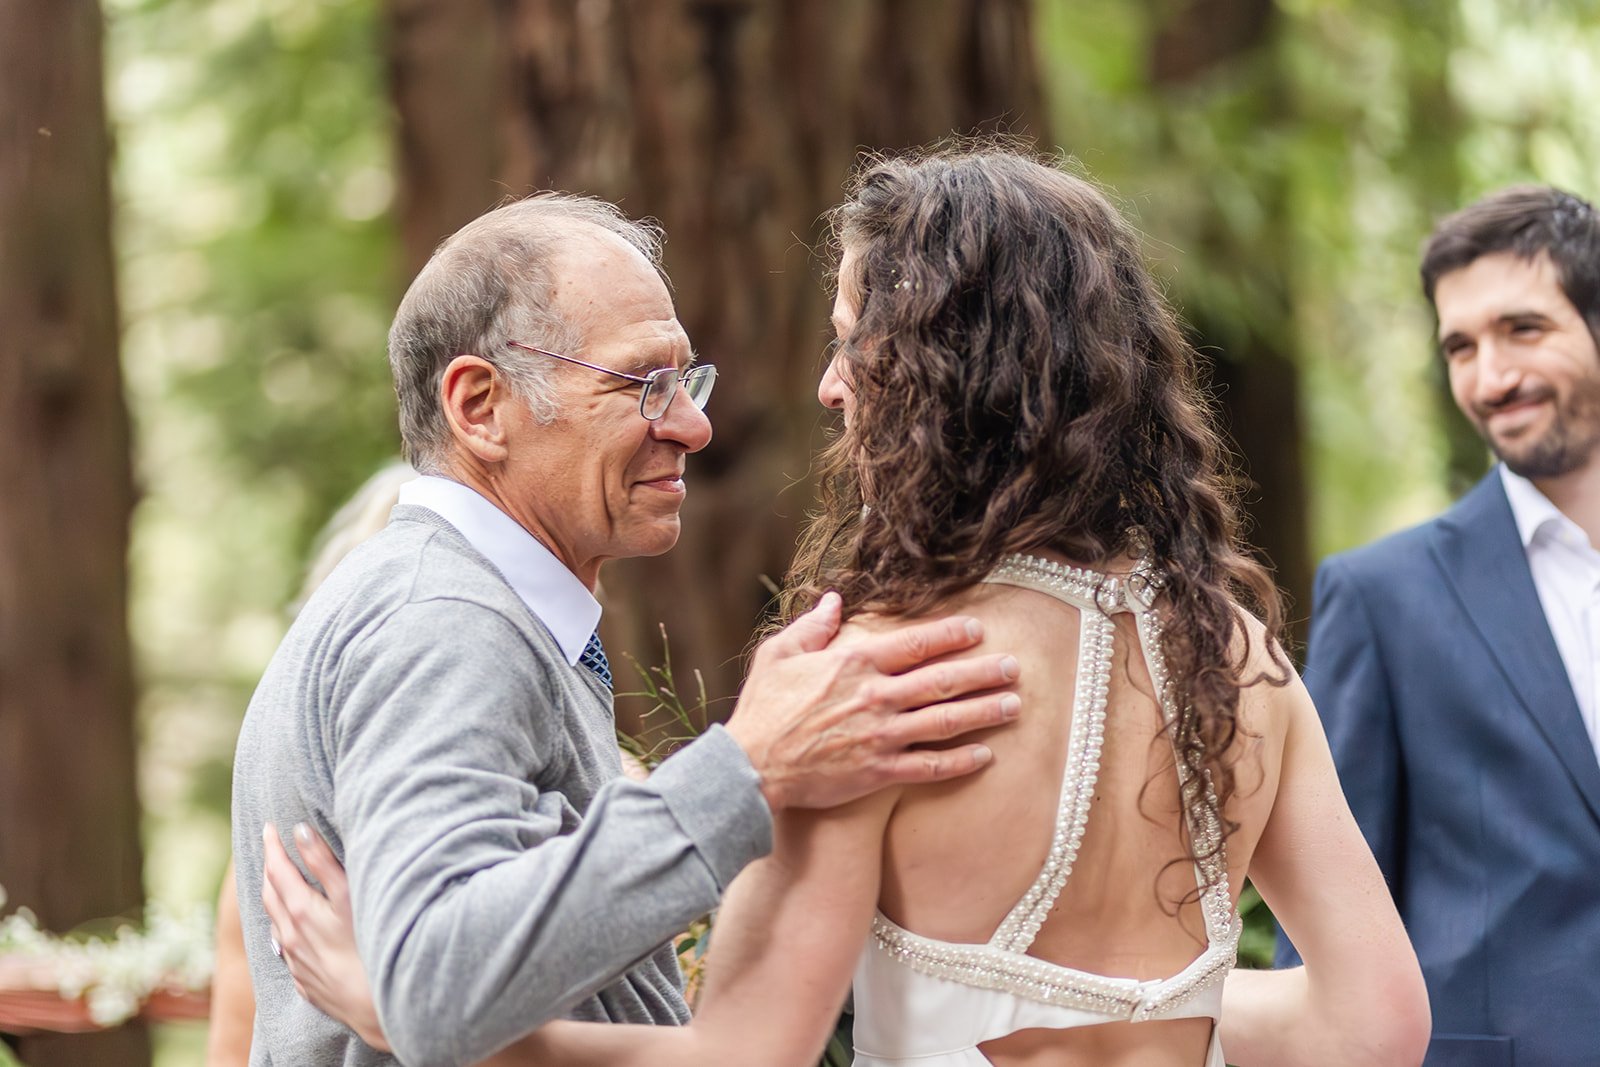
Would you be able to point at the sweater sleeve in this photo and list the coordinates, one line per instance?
(483, 906)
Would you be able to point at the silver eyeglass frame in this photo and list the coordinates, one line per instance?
(651, 381)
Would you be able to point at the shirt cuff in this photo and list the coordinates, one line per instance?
(715, 794)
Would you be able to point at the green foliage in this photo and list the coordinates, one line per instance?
(258, 263)
(1260, 936)
(669, 721)
(279, 226)
(1304, 172)
(840, 1050)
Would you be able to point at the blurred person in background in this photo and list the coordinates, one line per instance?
(1024, 441)
(1457, 665)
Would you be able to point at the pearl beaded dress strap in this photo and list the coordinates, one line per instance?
(934, 1001)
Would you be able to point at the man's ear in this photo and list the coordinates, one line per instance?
(475, 400)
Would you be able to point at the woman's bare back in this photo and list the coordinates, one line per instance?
(957, 857)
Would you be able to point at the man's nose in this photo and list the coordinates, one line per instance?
(683, 424)
(1499, 371)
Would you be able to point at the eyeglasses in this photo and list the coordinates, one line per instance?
(660, 385)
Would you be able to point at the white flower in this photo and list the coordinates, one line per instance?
(172, 952)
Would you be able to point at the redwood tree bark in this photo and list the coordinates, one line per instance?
(734, 123)
(69, 827)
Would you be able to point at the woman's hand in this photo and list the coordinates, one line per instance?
(316, 934)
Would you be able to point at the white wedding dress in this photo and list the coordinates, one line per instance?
(921, 1002)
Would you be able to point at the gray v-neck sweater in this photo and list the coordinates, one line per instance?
(502, 871)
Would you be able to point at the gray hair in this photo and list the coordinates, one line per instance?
(488, 284)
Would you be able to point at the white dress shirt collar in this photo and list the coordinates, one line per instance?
(552, 592)
(1566, 574)
(1533, 511)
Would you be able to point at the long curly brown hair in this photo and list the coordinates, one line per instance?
(1021, 384)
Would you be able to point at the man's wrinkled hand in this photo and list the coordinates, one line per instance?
(826, 725)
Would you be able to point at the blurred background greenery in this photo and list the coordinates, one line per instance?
(280, 167)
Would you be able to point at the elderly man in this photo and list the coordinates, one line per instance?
(441, 709)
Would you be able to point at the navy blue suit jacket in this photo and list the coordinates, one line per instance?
(1463, 754)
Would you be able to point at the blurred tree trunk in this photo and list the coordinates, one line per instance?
(1435, 125)
(1255, 369)
(69, 826)
(734, 123)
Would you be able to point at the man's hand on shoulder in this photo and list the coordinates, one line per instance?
(824, 724)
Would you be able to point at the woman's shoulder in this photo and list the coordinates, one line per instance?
(994, 606)
(1271, 700)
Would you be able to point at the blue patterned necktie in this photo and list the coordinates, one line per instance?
(594, 658)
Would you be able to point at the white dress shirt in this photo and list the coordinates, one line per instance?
(1566, 573)
(553, 593)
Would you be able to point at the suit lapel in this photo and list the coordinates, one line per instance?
(1480, 551)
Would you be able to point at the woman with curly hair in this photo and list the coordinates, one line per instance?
(1024, 441)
